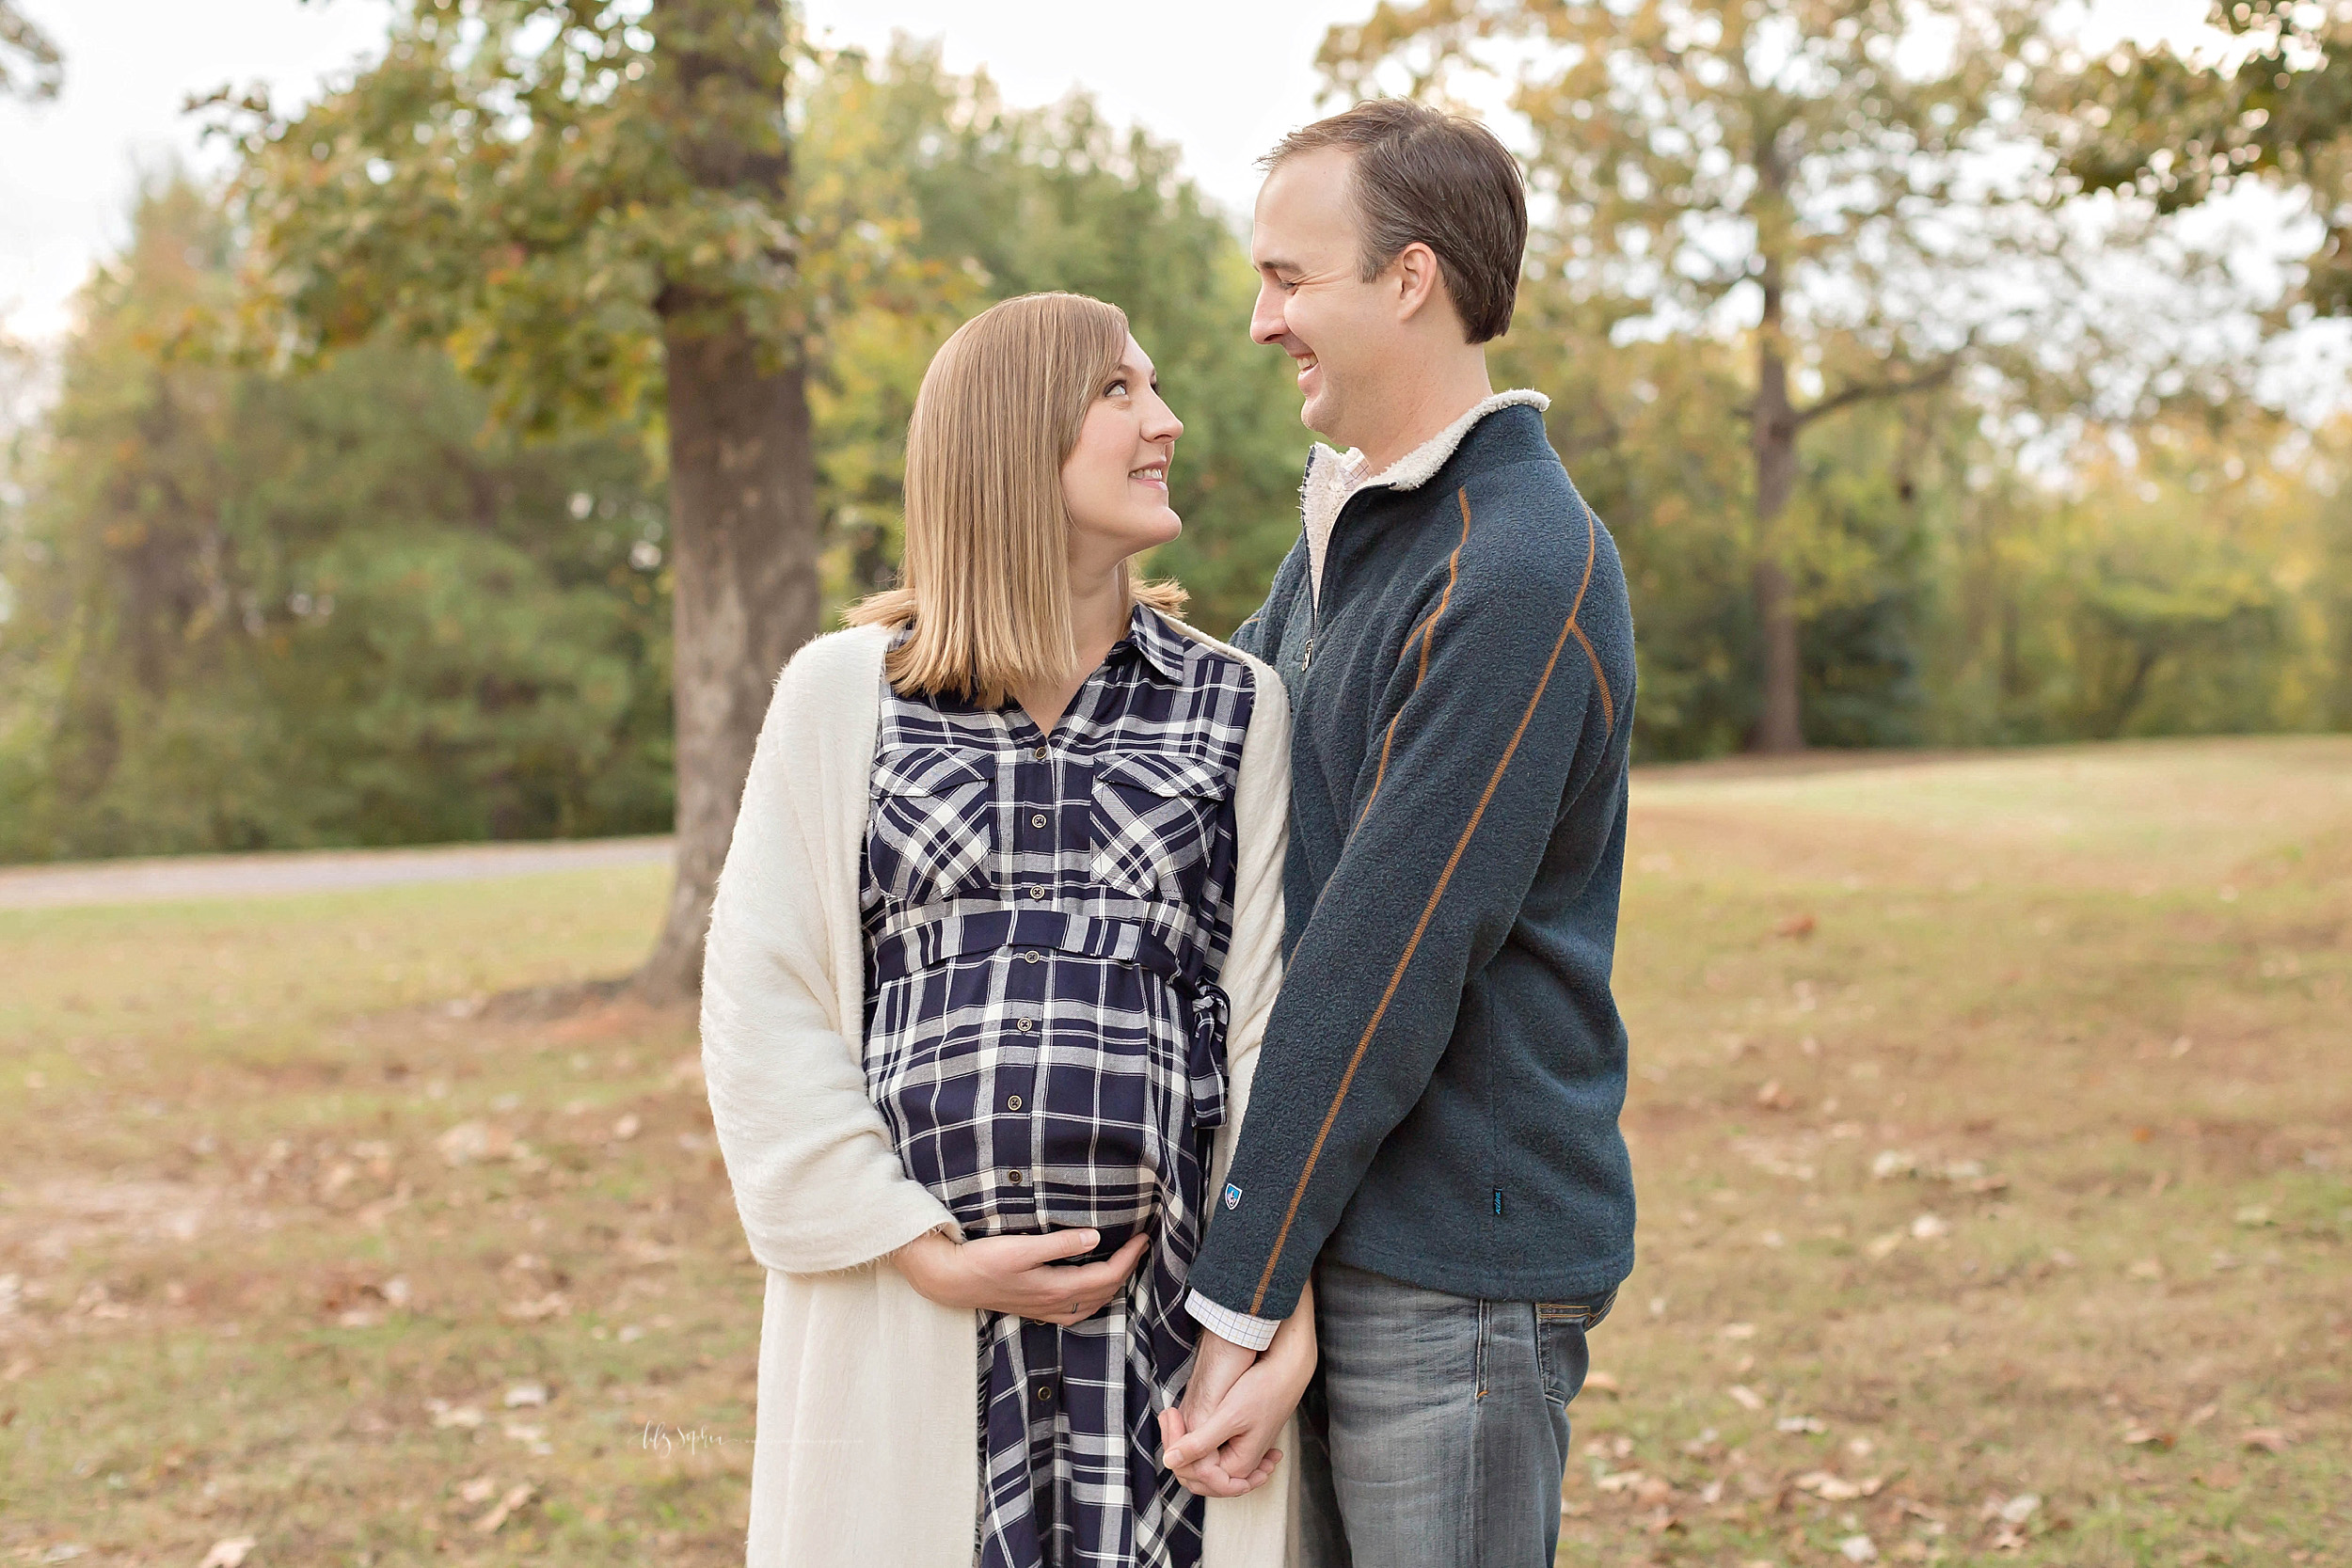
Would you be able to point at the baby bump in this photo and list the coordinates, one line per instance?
(1031, 1115)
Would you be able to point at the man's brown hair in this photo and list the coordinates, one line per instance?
(1441, 179)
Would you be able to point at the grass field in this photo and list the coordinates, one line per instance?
(1992, 1117)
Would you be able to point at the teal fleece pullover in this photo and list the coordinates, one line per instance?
(1437, 1095)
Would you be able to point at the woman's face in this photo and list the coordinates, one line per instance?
(1115, 481)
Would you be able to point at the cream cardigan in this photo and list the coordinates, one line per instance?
(866, 1443)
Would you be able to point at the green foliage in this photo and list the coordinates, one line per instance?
(2178, 131)
(254, 610)
(521, 181)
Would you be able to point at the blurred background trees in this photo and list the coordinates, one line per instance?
(356, 515)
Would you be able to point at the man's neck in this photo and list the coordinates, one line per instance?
(1434, 404)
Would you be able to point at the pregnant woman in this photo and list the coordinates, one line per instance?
(989, 965)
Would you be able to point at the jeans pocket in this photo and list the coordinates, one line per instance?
(1561, 1349)
(1586, 1314)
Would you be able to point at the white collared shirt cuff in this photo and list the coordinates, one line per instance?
(1240, 1327)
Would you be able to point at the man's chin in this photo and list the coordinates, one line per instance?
(1319, 412)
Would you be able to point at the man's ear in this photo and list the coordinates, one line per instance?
(1417, 282)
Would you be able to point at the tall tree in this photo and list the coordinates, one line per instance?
(588, 203)
(2276, 106)
(1817, 171)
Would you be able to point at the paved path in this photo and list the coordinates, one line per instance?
(181, 877)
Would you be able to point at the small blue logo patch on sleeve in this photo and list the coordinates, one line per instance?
(1232, 1196)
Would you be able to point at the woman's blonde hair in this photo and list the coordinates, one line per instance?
(985, 581)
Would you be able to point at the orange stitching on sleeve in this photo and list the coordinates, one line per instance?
(1427, 632)
(1591, 549)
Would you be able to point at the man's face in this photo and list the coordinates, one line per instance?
(1313, 301)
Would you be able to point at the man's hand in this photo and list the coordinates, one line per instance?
(1222, 1447)
(1018, 1275)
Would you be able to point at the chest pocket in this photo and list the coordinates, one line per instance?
(931, 826)
(1155, 819)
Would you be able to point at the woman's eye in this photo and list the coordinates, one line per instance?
(1116, 388)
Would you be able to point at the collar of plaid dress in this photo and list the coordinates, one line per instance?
(1163, 650)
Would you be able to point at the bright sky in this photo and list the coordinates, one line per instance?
(1223, 80)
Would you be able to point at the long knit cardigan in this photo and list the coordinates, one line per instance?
(866, 1440)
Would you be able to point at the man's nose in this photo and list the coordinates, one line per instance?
(1266, 324)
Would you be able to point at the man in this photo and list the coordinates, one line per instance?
(1433, 1127)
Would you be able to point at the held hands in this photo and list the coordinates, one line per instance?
(1018, 1275)
(1219, 1444)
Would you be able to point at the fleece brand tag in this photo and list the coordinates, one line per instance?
(1232, 1196)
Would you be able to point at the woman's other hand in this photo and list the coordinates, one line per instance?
(1019, 1274)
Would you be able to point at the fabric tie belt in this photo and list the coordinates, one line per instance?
(1208, 1013)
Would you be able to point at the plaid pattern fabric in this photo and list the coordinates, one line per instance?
(1045, 918)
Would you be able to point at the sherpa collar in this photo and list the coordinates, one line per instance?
(1332, 477)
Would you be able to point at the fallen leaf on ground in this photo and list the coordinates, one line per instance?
(2147, 1437)
(1738, 1331)
(554, 1305)
(513, 1500)
(1858, 1548)
(1800, 1424)
(1773, 1097)
(1619, 1480)
(1929, 1228)
(526, 1393)
(628, 1126)
(1745, 1397)
(448, 1415)
(2266, 1439)
(477, 1490)
(228, 1553)
(1835, 1488)
(470, 1141)
(1601, 1383)
(1797, 926)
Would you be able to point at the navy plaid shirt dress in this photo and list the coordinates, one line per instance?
(1044, 921)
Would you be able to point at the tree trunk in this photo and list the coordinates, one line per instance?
(1779, 726)
(744, 522)
(743, 558)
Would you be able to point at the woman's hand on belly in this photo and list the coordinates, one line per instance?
(1018, 1275)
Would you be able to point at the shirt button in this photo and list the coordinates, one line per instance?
(1040, 753)
(1025, 1026)
(1033, 956)
(1015, 1176)
(1037, 819)
(1012, 1102)
(1037, 892)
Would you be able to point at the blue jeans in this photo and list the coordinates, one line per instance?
(1435, 1431)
